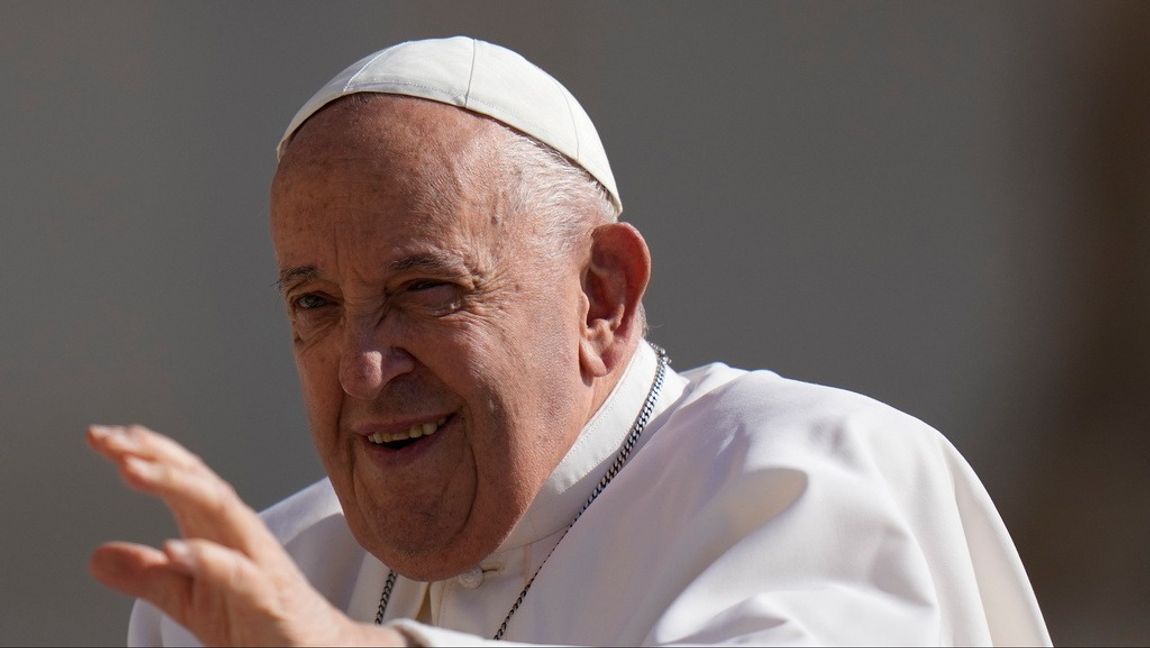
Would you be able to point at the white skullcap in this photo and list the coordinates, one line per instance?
(480, 77)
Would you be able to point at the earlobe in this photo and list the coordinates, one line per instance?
(613, 282)
(590, 355)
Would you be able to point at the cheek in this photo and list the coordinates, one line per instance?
(319, 383)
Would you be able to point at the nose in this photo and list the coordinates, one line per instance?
(367, 362)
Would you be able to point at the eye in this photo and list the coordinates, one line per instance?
(424, 284)
(310, 301)
(311, 313)
(432, 296)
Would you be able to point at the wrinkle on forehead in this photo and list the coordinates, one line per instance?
(444, 154)
(358, 169)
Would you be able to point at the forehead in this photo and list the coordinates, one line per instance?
(381, 166)
(390, 142)
(384, 123)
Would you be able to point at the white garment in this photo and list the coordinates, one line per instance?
(756, 510)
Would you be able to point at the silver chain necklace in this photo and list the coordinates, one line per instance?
(620, 459)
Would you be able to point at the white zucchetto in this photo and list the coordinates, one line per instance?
(480, 77)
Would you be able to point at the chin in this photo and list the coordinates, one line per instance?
(433, 559)
(430, 566)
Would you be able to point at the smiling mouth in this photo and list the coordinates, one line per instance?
(409, 436)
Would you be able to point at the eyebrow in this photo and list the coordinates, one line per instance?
(296, 272)
(429, 262)
(426, 262)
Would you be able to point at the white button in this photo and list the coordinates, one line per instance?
(472, 578)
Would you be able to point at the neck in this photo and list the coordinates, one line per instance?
(603, 386)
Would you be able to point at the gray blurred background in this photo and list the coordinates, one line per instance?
(944, 206)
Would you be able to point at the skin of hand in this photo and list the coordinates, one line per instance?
(227, 579)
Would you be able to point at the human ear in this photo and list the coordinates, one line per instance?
(613, 282)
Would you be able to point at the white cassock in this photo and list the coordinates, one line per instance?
(756, 510)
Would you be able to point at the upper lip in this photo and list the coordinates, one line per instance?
(395, 426)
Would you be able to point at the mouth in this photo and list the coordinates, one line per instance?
(414, 434)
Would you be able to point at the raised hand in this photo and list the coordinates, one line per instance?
(227, 579)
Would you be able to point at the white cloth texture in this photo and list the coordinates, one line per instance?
(756, 510)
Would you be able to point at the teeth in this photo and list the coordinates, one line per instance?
(413, 432)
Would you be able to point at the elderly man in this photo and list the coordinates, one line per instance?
(507, 457)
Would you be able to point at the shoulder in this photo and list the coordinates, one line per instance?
(299, 513)
(311, 526)
(819, 453)
(744, 424)
(782, 413)
(786, 489)
(766, 393)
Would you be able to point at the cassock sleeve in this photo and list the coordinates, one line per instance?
(150, 627)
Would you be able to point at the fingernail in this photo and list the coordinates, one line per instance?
(100, 431)
(142, 468)
(180, 553)
(119, 438)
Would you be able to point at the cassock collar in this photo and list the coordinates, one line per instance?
(572, 481)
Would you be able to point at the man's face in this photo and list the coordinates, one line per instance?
(420, 307)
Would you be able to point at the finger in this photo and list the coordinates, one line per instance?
(135, 449)
(252, 605)
(234, 598)
(205, 506)
(117, 442)
(104, 440)
(139, 571)
(226, 599)
(220, 569)
(199, 584)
